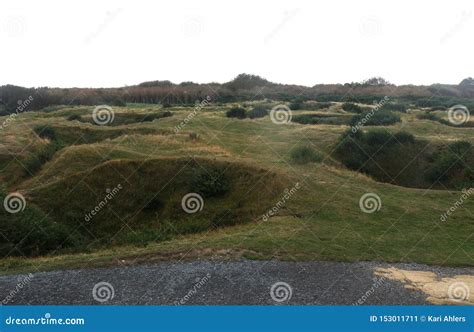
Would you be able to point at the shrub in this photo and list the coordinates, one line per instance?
(355, 150)
(350, 107)
(296, 105)
(305, 154)
(451, 163)
(210, 183)
(394, 107)
(376, 118)
(153, 116)
(236, 112)
(258, 112)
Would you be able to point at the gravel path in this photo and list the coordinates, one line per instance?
(218, 282)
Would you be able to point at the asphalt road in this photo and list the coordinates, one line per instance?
(216, 282)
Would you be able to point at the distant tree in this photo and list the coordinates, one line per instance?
(376, 81)
(467, 82)
(246, 81)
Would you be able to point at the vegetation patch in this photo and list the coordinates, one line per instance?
(149, 207)
(328, 119)
(304, 154)
(236, 112)
(258, 112)
(400, 159)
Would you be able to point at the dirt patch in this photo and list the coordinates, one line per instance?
(456, 289)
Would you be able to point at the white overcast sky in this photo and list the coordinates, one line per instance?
(116, 43)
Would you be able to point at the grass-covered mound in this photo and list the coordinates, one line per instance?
(400, 159)
(147, 199)
(120, 119)
(29, 231)
(329, 119)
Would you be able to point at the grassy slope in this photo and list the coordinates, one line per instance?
(330, 225)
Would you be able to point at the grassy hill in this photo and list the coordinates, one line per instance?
(65, 165)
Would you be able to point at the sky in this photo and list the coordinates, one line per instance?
(118, 43)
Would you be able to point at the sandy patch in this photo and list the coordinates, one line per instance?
(457, 289)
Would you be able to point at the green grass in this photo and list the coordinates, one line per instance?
(321, 221)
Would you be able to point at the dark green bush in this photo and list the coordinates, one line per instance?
(296, 105)
(258, 112)
(209, 183)
(450, 163)
(356, 150)
(236, 112)
(153, 116)
(305, 154)
(375, 118)
(350, 107)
